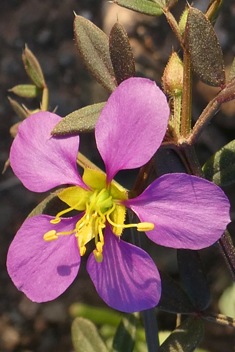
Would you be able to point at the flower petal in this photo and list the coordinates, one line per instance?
(43, 270)
(132, 125)
(41, 161)
(127, 279)
(187, 211)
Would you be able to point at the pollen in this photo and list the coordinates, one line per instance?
(145, 226)
(98, 256)
(50, 236)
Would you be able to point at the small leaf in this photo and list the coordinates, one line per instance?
(205, 51)
(51, 205)
(213, 10)
(33, 68)
(96, 314)
(174, 299)
(124, 339)
(14, 129)
(93, 46)
(85, 337)
(194, 278)
(26, 90)
(183, 21)
(220, 168)
(121, 53)
(82, 120)
(186, 337)
(143, 6)
(6, 165)
(19, 110)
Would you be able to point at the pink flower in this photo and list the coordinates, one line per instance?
(178, 210)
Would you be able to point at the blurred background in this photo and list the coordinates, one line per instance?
(46, 26)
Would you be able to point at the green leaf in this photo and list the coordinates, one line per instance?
(183, 21)
(194, 278)
(220, 168)
(186, 337)
(82, 120)
(95, 314)
(121, 53)
(19, 110)
(142, 6)
(51, 205)
(33, 68)
(26, 90)
(85, 337)
(124, 338)
(93, 46)
(204, 48)
(174, 299)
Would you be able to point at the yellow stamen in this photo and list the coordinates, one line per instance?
(55, 221)
(98, 256)
(99, 247)
(101, 206)
(82, 250)
(145, 226)
(57, 218)
(141, 226)
(50, 236)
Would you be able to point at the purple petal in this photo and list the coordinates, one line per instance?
(132, 125)
(43, 270)
(127, 279)
(41, 161)
(187, 211)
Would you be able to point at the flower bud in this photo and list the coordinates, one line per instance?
(172, 80)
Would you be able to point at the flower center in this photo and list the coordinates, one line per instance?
(101, 206)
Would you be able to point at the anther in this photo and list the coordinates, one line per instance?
(55, 221)
(50, 236)
(98, 256)
(82, 250)
(99, 247)
(145, 226)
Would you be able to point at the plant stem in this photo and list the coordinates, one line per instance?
(210, 110)
(190, 156)
(218, 318)
(186, 96)
(151, 329)
(45, 99)
(174, 25)
(228, 251)
(177, 116)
